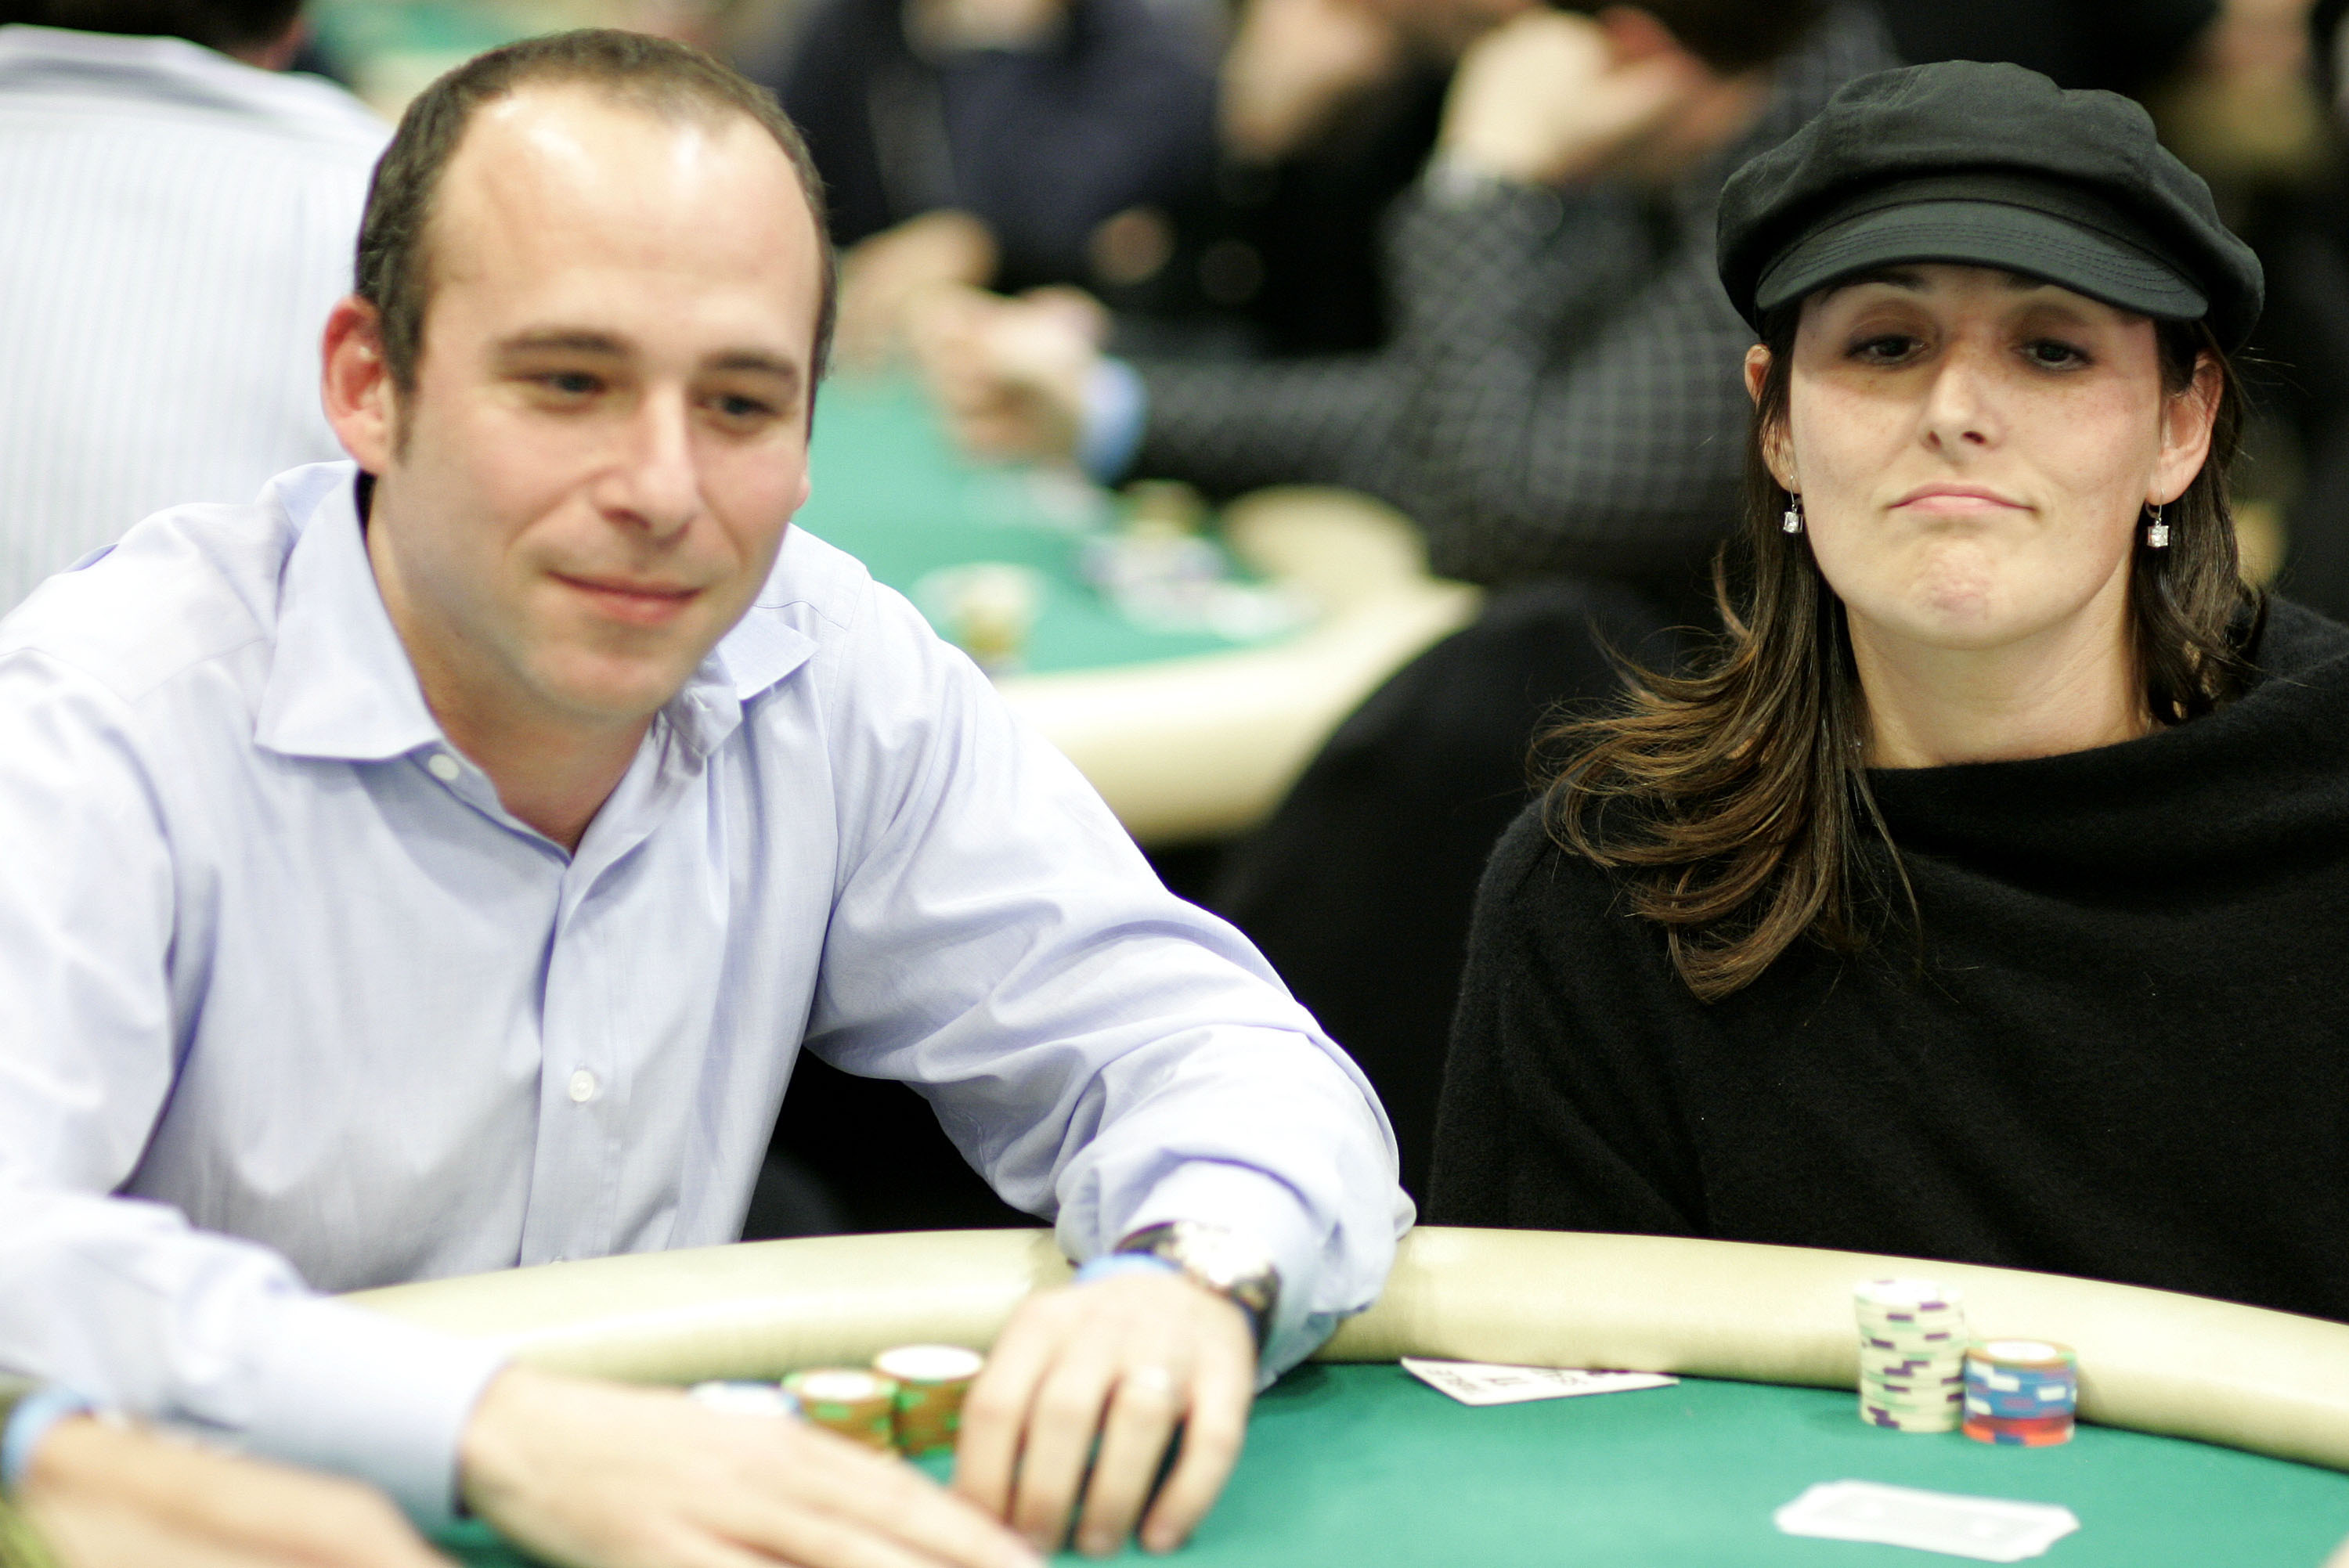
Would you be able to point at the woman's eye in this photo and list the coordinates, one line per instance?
(1883, 348)
(2053, 353)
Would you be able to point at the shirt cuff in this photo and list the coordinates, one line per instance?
(1264, 1211)
(346, 1389)
(28, 1423)
(1116, 413)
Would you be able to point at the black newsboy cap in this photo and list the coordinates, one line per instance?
(1994, 166)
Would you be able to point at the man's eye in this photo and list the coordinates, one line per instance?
(2053, 353)
(735, 407)
(571, 384)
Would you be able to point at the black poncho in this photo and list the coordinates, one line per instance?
(2123, 1054)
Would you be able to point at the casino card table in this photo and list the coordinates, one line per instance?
(1188, 733)
(2211, 1433)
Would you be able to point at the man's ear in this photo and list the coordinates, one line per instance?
(1634, 33)
(354, 385)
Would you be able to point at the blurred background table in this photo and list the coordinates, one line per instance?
(1190, 733)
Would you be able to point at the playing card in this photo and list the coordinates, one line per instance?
(1987, 1529)
(1482, 1383)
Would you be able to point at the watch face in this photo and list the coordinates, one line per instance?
(1221, 1257)
(1217, 1257)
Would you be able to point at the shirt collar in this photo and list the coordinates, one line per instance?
(340, 683)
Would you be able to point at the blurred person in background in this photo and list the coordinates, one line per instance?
(179, 215)
(1553, 410)
(2301, 229)
(2122, 46)
(1328, 110)
(1015, 142)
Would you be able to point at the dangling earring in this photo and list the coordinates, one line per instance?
(2157, 532)
(1794, 523)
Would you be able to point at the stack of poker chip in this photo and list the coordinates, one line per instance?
(1913, 1354)
(857, 1404)
(931, 1380)
(2020, 1392)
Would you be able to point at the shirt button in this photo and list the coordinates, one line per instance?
(583, 1086)
(444, 767)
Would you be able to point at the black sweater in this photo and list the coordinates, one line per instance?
(2125, 1053)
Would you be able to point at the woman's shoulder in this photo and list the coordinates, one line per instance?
(1535, 879)
(2300, 644)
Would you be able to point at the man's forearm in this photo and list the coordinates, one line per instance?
(127, 1303)
(1230, 427)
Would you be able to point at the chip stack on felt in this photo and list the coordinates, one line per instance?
(931, 1380)
(2020, 1392)
(1913, 1354)
(859, 1404)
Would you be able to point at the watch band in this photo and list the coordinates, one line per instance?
(1213, 1257)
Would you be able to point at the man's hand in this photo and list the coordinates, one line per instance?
(882, 276)
(1129, 1358)
(1551, 97)
(598, 1475)
(1293, 64)
(107, 1496)
(1010, 373)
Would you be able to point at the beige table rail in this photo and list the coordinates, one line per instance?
(2156, 1362)
(1200, 747)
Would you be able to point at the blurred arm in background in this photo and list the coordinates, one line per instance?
(995, 141)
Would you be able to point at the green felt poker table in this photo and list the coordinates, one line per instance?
(1190, 731)
(2210, 1432)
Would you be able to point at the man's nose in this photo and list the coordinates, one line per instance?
(656, 483)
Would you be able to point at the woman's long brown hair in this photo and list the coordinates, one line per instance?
(1733, 800)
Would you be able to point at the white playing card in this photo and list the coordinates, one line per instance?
(1987, 1529)
(1482, 1383)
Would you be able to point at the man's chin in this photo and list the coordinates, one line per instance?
(603, 690)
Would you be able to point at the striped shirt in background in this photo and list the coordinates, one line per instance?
(177, 226)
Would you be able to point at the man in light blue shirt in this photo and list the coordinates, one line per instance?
(438, 869)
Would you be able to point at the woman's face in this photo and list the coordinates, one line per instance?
(1974, 450)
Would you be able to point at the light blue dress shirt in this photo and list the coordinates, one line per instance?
(288, 1002)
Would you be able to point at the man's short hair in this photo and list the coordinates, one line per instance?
(223, 24)
(1730, 35)
(664, 78)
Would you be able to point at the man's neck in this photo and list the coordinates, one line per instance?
(552, 775)
(552, 771)
(1930, 707)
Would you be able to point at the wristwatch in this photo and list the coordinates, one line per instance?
(1216, 1258)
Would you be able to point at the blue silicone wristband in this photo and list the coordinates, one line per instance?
(29, 1423)
(1109, 1265)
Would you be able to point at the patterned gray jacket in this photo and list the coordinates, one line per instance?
(1563, 393)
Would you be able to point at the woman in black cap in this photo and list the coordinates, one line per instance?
(1983, 897)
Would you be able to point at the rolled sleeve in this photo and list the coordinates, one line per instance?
(1269, 1212)
(1101, 1050)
